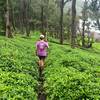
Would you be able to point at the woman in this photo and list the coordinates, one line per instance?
(41, 52)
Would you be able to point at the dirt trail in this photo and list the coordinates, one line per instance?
(41, 91)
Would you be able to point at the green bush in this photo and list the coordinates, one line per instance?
(18, 69)
(13, 85)
(17, 55)
(68, 84)
(72, 74)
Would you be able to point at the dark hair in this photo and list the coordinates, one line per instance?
(41, 38)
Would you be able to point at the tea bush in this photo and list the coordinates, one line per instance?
(72, 74)
(13, 85)
(18, 69)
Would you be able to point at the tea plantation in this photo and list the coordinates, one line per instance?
(73, 74)
(70, 74)
(18, 69)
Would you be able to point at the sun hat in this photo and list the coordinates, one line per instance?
(42, 36)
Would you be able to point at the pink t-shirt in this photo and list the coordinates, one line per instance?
(41, 48)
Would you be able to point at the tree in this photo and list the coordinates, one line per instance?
(84, 18)
(86, 25)
(95, 11)
(44, 15)
(8, 22)
(61, 22)
(24, 15)
(73, 26)
(62, 4)
(2, 18)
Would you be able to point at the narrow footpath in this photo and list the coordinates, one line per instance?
(41, 91)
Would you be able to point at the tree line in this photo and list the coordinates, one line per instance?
(52, 16)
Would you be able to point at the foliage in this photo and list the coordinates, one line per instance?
(72, 74)
(15, 86)
(18, 69)
(2, 22)
(69, 84)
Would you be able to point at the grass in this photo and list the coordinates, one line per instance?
(70, 74)
(18, 69)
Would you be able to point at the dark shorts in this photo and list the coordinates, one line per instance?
(42, 57)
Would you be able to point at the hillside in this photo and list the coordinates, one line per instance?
(70, 74)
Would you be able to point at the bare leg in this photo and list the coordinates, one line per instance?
(39, 63)
(42, 64)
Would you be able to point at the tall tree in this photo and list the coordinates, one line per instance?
(28, 17)
(61, 22)
(42, 16)
(85, 15)
(2, 18)
(95, 9)
(62, 4)
(8, 22)
(73, 26)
